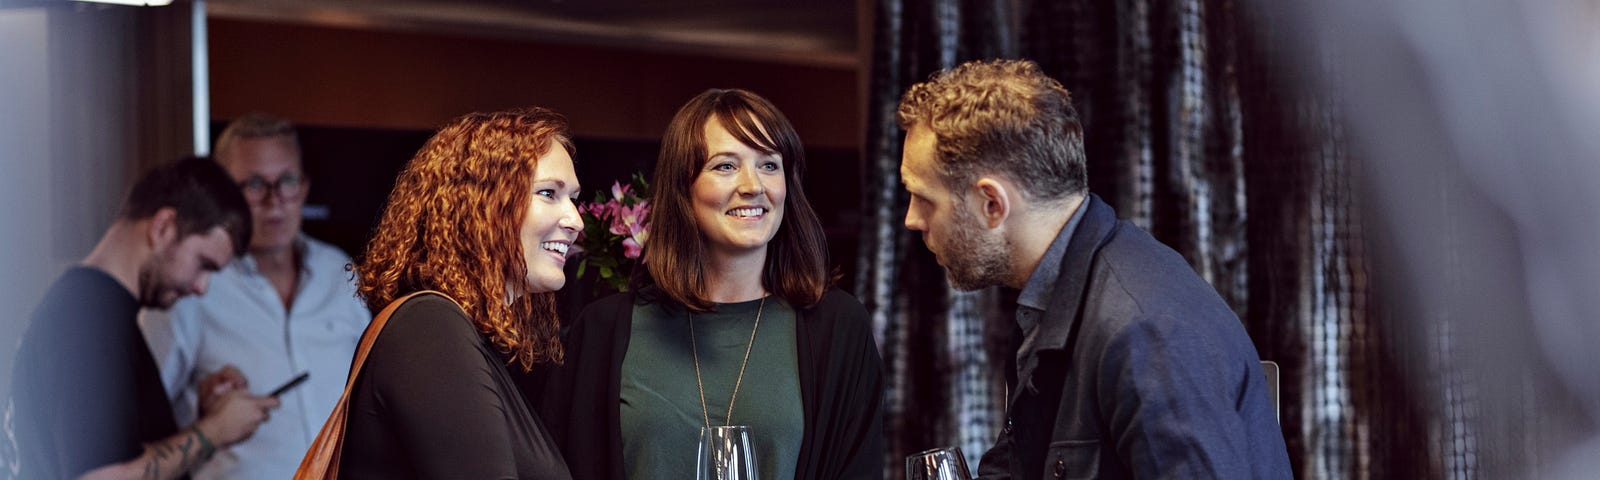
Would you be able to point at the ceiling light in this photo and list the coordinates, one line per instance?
(140, 3)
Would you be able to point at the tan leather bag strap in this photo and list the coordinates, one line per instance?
(322, 460)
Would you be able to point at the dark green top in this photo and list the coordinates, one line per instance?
(660, 410)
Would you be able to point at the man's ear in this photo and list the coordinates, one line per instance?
(162, 228)
(994, 201)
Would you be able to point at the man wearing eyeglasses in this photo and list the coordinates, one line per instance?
(287, 306)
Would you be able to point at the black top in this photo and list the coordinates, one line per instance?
(434, 401)
(841, 390)
(85, 389)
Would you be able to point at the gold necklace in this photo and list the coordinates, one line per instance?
(702, 386)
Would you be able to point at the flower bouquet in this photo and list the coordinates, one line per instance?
(614, 232)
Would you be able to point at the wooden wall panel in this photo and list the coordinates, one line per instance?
(405, 80)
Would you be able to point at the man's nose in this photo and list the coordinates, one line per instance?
(201, 284)
(914, 220)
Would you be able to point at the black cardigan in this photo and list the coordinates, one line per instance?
(841, 389)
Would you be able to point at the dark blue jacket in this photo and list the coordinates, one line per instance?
(1142, 372)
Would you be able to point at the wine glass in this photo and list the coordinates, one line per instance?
(725, 454)
(945, 463)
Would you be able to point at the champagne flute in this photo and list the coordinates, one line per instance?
(945, 463)
(725, 454)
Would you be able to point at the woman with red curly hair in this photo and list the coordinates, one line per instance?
(483, 216)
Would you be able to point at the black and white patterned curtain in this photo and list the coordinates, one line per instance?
(936, 341)
(1195, 132)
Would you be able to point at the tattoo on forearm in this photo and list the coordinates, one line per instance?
(161, 451)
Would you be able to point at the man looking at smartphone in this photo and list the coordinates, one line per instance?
(86, 400)
(285, 307)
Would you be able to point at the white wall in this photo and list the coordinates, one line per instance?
(24, 171)
(74, 80)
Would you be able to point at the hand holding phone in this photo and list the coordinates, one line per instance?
(293, 382)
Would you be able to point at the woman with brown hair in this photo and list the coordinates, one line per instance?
(483, 215)
(733, 321)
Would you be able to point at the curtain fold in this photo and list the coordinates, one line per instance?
(937, 343)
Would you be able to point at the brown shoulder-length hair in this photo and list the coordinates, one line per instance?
(452, 225)
(797, 257)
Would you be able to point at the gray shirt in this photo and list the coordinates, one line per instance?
(1036, 293)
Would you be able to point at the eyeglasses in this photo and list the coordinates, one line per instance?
(287, 187)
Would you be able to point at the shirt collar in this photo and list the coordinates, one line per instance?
(301, 251)
(1041, 284)
(1036, 296)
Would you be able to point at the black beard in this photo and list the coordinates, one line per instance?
(151, 285)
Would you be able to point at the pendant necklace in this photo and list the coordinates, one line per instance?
(702, 386)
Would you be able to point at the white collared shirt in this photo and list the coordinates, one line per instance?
(241, 321)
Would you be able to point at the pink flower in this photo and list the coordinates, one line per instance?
(618, 191)
(638, 234)
(623, 218)
(632, 248)
(597, 210)
(628, 219)
(613, 209)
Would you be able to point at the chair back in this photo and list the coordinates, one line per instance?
(1270, 368)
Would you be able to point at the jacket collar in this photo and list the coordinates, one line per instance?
(1059, 323)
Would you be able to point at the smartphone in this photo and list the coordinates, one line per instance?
(293, 382)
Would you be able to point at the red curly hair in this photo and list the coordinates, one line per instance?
(452, 224)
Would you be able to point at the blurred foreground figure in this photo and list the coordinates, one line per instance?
(1477, 122)
(86, 399)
